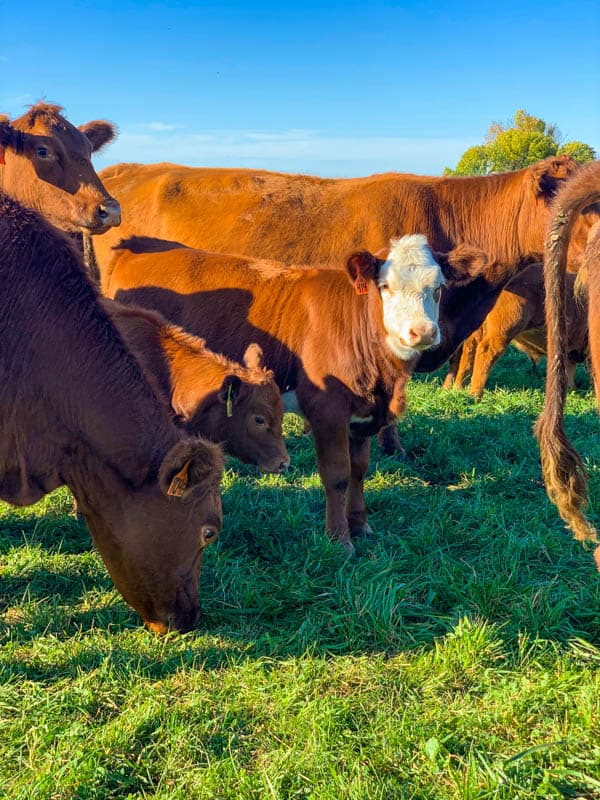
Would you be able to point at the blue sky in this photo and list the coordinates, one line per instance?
(325, 88)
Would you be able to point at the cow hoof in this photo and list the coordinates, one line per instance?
(364, 531)
(347, 546)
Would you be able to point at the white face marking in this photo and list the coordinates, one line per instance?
(410, 283)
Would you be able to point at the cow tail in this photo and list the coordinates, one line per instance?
(564, 473)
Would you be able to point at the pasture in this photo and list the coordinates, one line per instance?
(456, 657)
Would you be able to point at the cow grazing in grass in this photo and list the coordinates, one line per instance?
(76, 408)
(519, 317)
(342, 344)
(563, 469)
(45, 163)
(219, 399)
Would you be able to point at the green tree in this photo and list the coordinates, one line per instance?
(523, 141)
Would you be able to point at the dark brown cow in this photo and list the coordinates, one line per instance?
(237, 406)
(563, 469)
(45, 163)
(77, 409)
(519, 317)
(341, 350)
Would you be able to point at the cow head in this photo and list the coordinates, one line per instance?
(410, 281)
(152, 538)
(47, 166)
(248, 415)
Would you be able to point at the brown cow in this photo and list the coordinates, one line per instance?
(341, 350)
(309, 220)
(237, 406)
(77, 409)
(563, 469)
(46, 165)
(519, 317)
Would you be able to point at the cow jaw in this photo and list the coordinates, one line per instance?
(410, 282)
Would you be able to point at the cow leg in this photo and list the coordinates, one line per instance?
(356, 512)
(467, 361)
(389, 441)
(571, 367)
(453, 363)
(333, 458)
(488, 352)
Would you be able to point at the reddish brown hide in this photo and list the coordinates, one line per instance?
(308, 220)
(519, 317)
(326, 344)
(76, 408)
(564, 473)
(219, 399)
(47, 166)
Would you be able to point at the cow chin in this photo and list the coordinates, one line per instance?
(185, 615)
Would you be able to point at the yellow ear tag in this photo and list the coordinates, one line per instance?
(229, 403)
(179, 482)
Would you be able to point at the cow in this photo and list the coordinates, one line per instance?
(518, 317)
(342, 344)
(309, 220)
(45, 163)
(564, 473)
(299, 219)
(214, 397)
(77, 409)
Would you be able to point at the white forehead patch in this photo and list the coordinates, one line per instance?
(410, 265)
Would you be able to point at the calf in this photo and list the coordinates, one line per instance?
(564, 473)
(76, 408)
(45, 163)
(342, 344)
(519, 317)
(238, 406)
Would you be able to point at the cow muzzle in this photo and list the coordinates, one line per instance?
(422, 336)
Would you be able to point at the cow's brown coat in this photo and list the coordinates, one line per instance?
(564, 473)
(45, 164)
(77, 409)
(519, 317)
(308, 220)
(219, 399)
(322, 340)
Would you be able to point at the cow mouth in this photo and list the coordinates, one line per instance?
(420, 348)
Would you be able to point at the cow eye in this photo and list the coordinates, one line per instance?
(384, 286)
(259, 420)
(208, 533)
(437, 294)
(42, 152)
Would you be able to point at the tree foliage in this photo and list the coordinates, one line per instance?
(524, 140)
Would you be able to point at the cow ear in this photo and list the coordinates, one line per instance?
(6, 136)
(253, 357)
(462, 265)
(232, 390)
(363, 267)
(189, 465)
(548, 175)
(99, 133)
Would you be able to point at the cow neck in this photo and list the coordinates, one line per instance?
(69, 352)
(374, 367)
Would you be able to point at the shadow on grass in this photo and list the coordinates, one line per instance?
(463, 528)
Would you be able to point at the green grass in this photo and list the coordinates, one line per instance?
(457, 656)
